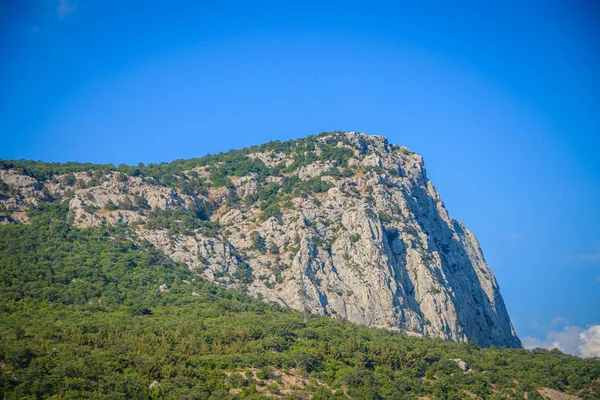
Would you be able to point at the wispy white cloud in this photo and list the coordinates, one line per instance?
(65, 7)
(534, 324)
(583, 258)
(515, 237)
(571, 339)
(559, 321)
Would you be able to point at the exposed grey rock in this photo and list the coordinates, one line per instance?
(312, 170)
(18, 181)
(461, 364)
(270, 159)
(154, 385)
(232, 216)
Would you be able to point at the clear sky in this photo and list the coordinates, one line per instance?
(502, 101)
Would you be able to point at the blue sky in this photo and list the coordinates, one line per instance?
(502, 101)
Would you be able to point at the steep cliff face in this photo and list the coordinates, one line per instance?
(340, 224)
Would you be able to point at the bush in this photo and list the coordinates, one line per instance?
(110, 206)
(258, 242)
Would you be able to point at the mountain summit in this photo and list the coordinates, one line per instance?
(341, 224)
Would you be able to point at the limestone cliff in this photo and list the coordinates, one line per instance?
(340, 224)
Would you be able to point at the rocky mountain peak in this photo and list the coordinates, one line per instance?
(341, 224)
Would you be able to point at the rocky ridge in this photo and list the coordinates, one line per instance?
(340, 224)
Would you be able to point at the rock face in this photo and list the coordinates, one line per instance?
(362, 235)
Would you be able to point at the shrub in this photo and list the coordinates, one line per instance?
(110, 206)
(258, 242)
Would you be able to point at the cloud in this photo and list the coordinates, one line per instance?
(514, 237)
(65, 7)
(583, 258)
(572, 340)
(591, 342)
(598, 279)
(559, 321)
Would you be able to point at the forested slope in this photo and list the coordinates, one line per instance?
(82, 316)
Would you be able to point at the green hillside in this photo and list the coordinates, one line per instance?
(82, 316)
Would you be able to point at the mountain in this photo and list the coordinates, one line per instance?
(339, 224)
(144, 283)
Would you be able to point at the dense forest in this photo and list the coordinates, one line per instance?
(95, 313)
